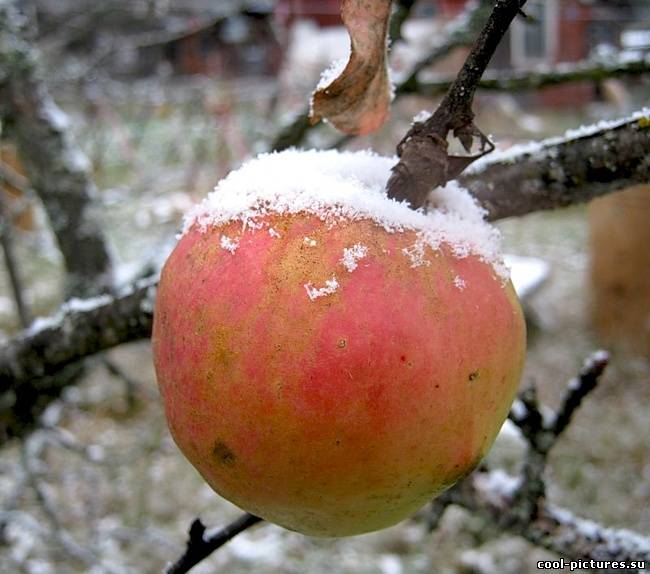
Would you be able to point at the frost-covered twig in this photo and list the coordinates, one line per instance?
(424, 159)
(518, 504)
(512, 81)
(56, 168)
(491, 495)
(200, 545)
(557, 172)
(29, 362)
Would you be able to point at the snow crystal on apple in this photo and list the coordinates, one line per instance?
(273, 233)
(352, 256)
(347, 186)
(229, 244)
(309, 241)
(459, 283)
(331, 285)
(416, 254)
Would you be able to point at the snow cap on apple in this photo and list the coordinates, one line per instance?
(330, 359)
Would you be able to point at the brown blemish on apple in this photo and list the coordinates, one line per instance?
(221, 451)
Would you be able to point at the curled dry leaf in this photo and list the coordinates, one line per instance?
(358, 100)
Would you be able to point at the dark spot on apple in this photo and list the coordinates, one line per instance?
(403, 358)
(341, 344)
(221, 451)
(473, 376)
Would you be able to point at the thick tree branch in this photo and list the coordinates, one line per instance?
(512, 81)
(30, 363)
(558, 172)
(424, 159)
(57, 170)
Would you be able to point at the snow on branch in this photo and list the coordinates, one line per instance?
(575, 168)
(30, 362)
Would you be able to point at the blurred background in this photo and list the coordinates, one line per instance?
(164, 97)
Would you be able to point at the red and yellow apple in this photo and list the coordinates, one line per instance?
(332, 380)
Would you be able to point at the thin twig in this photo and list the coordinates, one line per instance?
(17, 286)
(200, 546)
(424, 159)
(458, 33)
(511, 81)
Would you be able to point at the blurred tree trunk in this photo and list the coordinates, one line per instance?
(620, 260)
(59, 174)
(57, 170)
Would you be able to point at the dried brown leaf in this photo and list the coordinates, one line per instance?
(358, 100)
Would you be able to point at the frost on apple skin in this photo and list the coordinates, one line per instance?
(229, 244)
(331, 286)
(352, 256)
(347, 186)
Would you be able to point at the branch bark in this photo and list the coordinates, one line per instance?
(30, 363)
(513, 81)
(458, 33)
(563, 171)
(424, 159)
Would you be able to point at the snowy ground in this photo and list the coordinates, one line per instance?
(105, 489)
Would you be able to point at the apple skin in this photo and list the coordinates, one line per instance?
(346, 413)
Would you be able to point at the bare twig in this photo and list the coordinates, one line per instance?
(17, 287)
(512, 81)
(424, 159)
(458, 33)
(200, 545)
(401, 11)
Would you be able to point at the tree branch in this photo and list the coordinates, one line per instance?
(56, 168)
(30, 362)
(458, 33)
(424, 159)
(200, 545)
(512, 81)
(557, 172)
(518, 504)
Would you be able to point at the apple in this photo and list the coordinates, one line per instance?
(331, 372)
